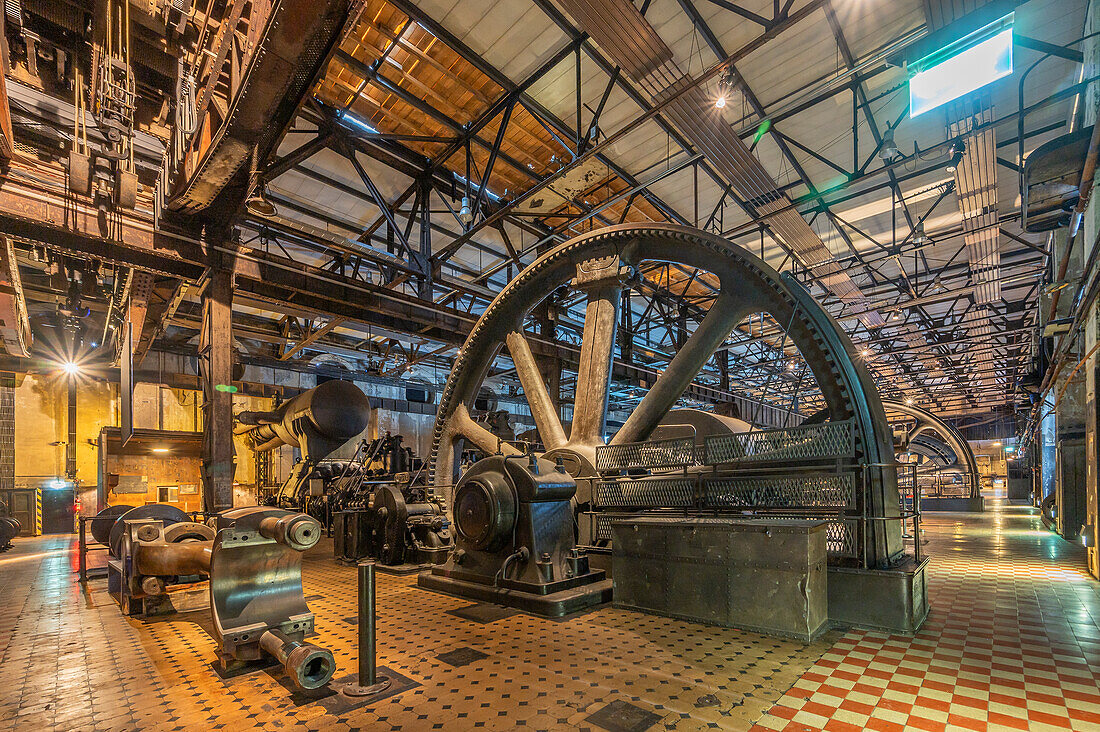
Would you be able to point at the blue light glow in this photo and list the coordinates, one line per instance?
(965, 72)
(353, 120)
(462, 179)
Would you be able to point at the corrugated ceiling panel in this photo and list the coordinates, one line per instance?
(515, 36)
(647, 59)
(807, 51)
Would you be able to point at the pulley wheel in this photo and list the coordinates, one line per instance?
(104, 521)
(153, 511)
(9, 529)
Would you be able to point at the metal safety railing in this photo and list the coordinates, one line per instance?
(84, 547)
(830, 440)
(947, 485)
(727, 475)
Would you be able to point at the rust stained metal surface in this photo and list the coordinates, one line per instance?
(287, 45)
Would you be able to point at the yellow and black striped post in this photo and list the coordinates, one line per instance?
(38, 511)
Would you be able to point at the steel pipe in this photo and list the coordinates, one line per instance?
(368, 682)
(368, 669)
(297, 531)
(169, 560)
(309, 666)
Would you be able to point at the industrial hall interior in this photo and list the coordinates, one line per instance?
(601, 365)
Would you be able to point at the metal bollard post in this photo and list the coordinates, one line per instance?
(83, 553)
(368, 682)
(367, 667)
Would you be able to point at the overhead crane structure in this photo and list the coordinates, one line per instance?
(394, 118)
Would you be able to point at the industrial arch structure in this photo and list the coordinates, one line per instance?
(946, 451)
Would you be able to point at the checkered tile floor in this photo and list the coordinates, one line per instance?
(1012, 643)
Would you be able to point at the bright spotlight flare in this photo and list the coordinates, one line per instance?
(71, 368)
(725, 86)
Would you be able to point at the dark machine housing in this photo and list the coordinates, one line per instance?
(515, 540)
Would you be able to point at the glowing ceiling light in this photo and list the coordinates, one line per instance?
(71, 368)
(160, 449)
(720, 102)
(962, 67)
(909, 400)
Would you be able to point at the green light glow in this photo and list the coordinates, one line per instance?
(761, 131)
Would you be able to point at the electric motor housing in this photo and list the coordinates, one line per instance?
(515, 542)
(484, 508)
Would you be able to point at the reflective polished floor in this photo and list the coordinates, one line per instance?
(1013, 642)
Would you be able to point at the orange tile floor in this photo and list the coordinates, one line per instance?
(1013, 642)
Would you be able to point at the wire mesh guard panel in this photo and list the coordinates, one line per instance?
(602, 526)
(801, 491)
(671, 453)
(840, 539)
(841, 535)
(645, 493)
(812, 442)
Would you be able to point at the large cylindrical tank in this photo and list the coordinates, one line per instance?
(338, 410)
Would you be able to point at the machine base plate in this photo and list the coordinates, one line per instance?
(552, 605)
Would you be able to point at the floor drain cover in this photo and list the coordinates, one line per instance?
(483, 613)
(461, 656)
(620, 716)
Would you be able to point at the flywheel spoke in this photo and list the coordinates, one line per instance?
(462, 425)
(534, 388)
(601, 318)
(724, 314)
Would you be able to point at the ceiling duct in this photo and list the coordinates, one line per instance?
(623, 33)
(976, 191)
(975, 181)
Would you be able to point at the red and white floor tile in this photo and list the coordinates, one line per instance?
(1012, 642)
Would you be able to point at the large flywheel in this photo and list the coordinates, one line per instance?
(601, 264)
(944, 449)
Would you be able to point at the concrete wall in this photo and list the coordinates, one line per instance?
(41, 431)
(157, 472)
